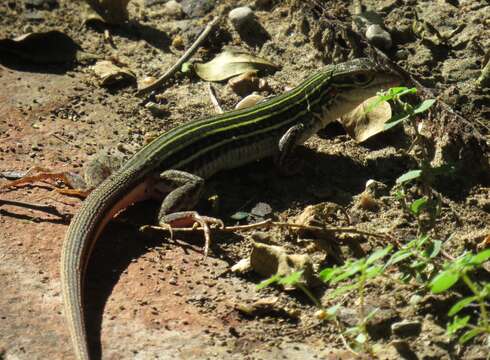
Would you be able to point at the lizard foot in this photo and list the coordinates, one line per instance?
(192, 219)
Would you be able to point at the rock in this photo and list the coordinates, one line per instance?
(173, 9)
(376, 188)
(241, 17)
(197, 8)
(407, 328)
(379, 37)
(249, 101)
(261, 209)
(379, 326)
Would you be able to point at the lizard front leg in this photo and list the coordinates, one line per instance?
(287, 144)
(183, 193)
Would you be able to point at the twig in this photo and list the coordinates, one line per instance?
(161, 80)
(269, 223)
(214, 100)
(50, 209)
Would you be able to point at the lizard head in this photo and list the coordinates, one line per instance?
(360, 79)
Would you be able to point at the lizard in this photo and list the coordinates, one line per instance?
(174, 166)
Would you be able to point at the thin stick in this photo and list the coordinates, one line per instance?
(268, 223)
(161, 80)
(214, 100)
(50, 209)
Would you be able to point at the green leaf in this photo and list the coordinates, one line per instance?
(481, 257)
(399, 256)
(400, 91)
(353, 269)
(326, 274)
(458, 323)
(240, 215)
(417, 205)
(434, 249)
(470, 335)
(341, 291)
(374, 271)
(273, 279)
(444, 281)
(460, 305)
(424, 106)
(378, 254)
(395, 120)
(409, 176)
(291, 279)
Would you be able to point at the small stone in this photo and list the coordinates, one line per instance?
(379, 37)
(406, 328)
(197, 8)
(376, 188)
(241, 17)
(173, 9)
(261, 209)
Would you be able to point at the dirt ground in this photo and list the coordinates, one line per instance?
(149, 297)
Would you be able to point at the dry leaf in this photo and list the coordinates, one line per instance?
(361, 125)
(111, 74)
(43, 47)
(112, 12)
(268, 260)
(231, 63)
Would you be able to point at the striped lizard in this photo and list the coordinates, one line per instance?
(174, 165)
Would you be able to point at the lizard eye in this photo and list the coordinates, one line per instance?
(361, 79)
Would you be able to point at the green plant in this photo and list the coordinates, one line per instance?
(426, 208)
(359, 272)
(460, 270)
(416, 259)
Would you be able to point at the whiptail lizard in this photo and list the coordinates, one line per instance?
(174, 165)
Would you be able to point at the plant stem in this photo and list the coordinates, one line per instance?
(474, 288)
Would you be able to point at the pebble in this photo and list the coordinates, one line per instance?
(407, 328)
(379, 37)
(241, 17)
(173, 9)
(197, 8)
(376, 188)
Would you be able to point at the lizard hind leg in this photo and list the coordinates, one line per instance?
(183, 193)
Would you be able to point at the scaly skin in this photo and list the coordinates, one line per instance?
(204, 147)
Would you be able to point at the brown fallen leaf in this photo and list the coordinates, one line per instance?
(230, 63)
(110, 74)
(113, 12)
(43, 47)
(361, 125)
(269, 260)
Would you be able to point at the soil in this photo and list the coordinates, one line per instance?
(150, 297)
